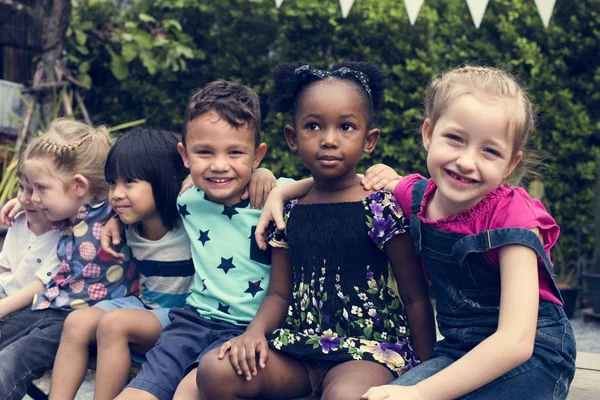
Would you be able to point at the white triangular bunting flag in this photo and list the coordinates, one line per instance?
(346, 5)
(477, 9)
(545, 8)
(412, 8)
(278, 3)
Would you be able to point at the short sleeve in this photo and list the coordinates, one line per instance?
(49, 269)
(284, 181)
(385, 218)
(403, 192)
(275, 237)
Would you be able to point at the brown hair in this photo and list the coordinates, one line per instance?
(237, 104)
(75, 148)
(494, 84)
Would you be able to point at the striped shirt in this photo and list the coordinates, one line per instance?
(165, 267)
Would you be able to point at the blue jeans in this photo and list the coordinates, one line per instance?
(28, 345)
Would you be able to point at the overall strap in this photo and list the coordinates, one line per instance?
(495, 238)
(418, 192)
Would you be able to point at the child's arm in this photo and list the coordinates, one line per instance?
(261, 183)
(380, 176)
(243, 349)
(414, 290)
(21, 299)
(9, 211)
(111, 238)
(510, 346)
(273, 208)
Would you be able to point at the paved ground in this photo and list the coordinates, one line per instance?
(587, 335)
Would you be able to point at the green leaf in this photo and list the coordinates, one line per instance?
(146, 18)
(129, 52)
(118, 66)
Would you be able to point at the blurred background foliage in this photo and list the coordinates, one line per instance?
(144, 58)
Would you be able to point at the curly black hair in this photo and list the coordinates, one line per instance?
(289, 86)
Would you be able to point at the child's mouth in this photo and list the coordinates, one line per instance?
(460, 178)
(219, 181)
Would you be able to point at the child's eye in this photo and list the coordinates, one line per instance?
(493, 152)
(203, 152)
(312, 126)
(347, 127)
(454, 137)
(236, 152)
(129, 180)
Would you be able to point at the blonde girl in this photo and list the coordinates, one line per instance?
(486, 247)
(65, 167)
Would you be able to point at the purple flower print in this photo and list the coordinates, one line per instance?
(377, 209)
(329, 341)
(369, 275)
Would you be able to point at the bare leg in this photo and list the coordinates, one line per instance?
(351, 379)
(116, 331)
(71, 361)
(187, 389)
(283, 378)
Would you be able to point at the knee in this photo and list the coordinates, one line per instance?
(211, 373)
(80, 326)
(111, 325)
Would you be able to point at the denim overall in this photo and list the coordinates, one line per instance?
(467, 292)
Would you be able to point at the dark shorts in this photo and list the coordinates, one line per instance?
(180, 346)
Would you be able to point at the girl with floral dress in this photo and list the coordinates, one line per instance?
(330, 316)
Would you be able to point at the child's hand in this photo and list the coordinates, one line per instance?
(379, 177)
(9, 211)
(272, 211)
(242, 353)
(111, 237)
(392, 392)
(261, 184)
(187, 183)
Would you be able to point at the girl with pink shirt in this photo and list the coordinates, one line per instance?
(486, 248)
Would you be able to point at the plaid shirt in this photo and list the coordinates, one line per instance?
(86, 274)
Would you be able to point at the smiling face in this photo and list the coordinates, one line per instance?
(220, 157)
(51, 195)
(34, 216)
(132, 200)
(469, 154)
(330, 131)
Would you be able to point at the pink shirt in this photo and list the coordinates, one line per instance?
(505, 207)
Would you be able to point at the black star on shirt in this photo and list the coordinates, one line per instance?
(224, 309)
(226, 264)
(203, 237)
(203, 285)
(229, 211)
(253, 288)
(183, 210)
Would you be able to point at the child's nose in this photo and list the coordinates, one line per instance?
(329, 138)
(219, 164)
(466, 161)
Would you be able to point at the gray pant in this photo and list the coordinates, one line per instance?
(28, 345)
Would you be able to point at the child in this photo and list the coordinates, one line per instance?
(65, 167)
(143, 193)
(28, 254)
(341, 328)
(220, 145)
(486, 247)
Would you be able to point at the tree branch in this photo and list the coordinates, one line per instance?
(19, 7)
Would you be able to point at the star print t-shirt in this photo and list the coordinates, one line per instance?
(232, 273)
(86, 274)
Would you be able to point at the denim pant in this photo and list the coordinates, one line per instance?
(28, 345)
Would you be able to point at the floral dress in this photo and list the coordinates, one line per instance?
(342, 307)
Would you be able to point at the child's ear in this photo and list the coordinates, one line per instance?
(513, 164)
(183, 152)
(81, 185)
(259, 153)
(371, 140)
(426, 133)
(290, 137)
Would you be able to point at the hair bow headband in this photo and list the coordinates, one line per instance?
(360, 76)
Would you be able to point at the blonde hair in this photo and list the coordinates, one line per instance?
(490, 83)
(75, 148)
